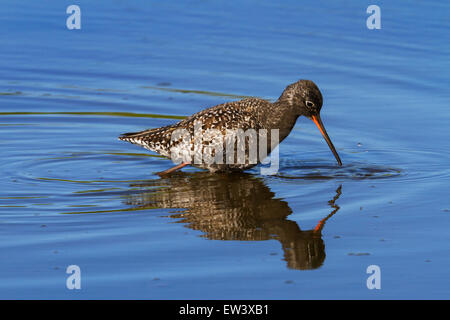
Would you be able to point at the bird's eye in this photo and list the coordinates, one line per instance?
(309, 104)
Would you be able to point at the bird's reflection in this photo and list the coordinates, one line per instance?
(235, 207)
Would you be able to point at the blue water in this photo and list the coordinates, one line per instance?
(72, 194)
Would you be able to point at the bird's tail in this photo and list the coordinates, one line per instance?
(147, 138)
(138, 137)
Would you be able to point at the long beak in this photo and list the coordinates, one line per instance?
(319, 124)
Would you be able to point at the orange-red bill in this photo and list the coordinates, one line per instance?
(319, 125)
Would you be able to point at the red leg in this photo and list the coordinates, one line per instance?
(181, 165)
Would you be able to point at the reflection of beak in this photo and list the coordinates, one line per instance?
(319, 124)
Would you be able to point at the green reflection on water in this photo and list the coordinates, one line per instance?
(202, 92)
(89, 181)
(97, 113)
(10, 93)
(110, 211)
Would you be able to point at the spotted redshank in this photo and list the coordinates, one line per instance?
(302, 98)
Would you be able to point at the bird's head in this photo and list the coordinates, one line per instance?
(305, 99)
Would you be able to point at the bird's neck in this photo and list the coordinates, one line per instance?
(281, 117)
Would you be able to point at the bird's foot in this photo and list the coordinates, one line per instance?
(168, 171)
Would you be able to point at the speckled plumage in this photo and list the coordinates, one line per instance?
(244, 114)
(252, 113)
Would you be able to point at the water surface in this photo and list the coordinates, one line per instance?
(71, 193)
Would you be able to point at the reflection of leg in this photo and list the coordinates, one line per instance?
(321, 223)
(181, 165)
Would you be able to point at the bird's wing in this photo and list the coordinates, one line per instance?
(235, 115)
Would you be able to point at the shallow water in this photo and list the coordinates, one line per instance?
(71, 193)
